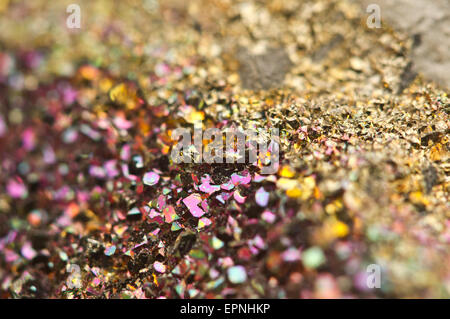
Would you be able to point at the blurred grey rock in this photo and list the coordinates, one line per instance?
(428, 21)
